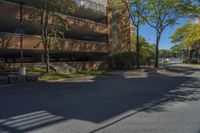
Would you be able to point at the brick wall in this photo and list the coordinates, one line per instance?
(120, 28)
(123, 27)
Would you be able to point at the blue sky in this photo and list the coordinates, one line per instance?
(165, 43)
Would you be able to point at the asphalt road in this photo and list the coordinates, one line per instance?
(165, 102)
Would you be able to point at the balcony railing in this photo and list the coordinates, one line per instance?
(12, 41)
(88, 4)
(12, 10)
(85, 25)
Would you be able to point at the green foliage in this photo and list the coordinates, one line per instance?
(160, 14)
(128, 60)
(180, 34)
(186, 35)
(137, 8)
(121, 60)
(165, 53)
(147, 51)
(192, 35)
(178, 39)
(63, 75)
(178, 48)
(60, 75)
(52, 23)
(35, 69)
(4, 68)
(142, 41)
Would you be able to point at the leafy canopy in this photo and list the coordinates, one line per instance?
(186, 35)
(180, 34)
(163, 13)
(147, 50)
(192, 35)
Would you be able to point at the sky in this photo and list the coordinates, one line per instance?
(165, 43)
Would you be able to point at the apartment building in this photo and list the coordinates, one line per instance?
(88, 41)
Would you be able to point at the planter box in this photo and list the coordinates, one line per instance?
(32, 78)
(3, 80)
(16, 79)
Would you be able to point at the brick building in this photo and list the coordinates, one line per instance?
(94, 30)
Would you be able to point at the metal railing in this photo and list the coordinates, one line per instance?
(88, 4)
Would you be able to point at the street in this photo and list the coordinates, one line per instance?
(155, 102)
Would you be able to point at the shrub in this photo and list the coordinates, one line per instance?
(121, 60)
(194, 61)
(4, 68)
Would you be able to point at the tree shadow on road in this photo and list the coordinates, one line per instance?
(30, 107)
(187, 70)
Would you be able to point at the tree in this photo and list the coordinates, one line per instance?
(135, 8)
(162, 53)
(192, 35)
(180, 34)
(179, 49)
(51, 21)
(160, 14)
(178, 40)
(147, 50)
(186, 35)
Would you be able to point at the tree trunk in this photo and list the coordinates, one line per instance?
(157, 50)
(47, 61)
(137, 49)
(46, 43)
(198, 56)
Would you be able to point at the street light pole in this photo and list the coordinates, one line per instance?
(21, 34)
(22, 70)
(165, 59)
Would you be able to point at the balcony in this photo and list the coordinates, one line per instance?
(77, 24)
(91, 10)
(9, 17)
(11, 41)
(88, 4)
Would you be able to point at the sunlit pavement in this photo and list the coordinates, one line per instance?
(127, 102)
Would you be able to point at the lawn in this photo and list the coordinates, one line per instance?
(63, 75)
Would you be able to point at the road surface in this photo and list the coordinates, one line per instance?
(163, 102)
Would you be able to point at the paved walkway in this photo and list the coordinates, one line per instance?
(165, 102)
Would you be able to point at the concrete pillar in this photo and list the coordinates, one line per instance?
(42, 58)
(109, 21)
(6, 60)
